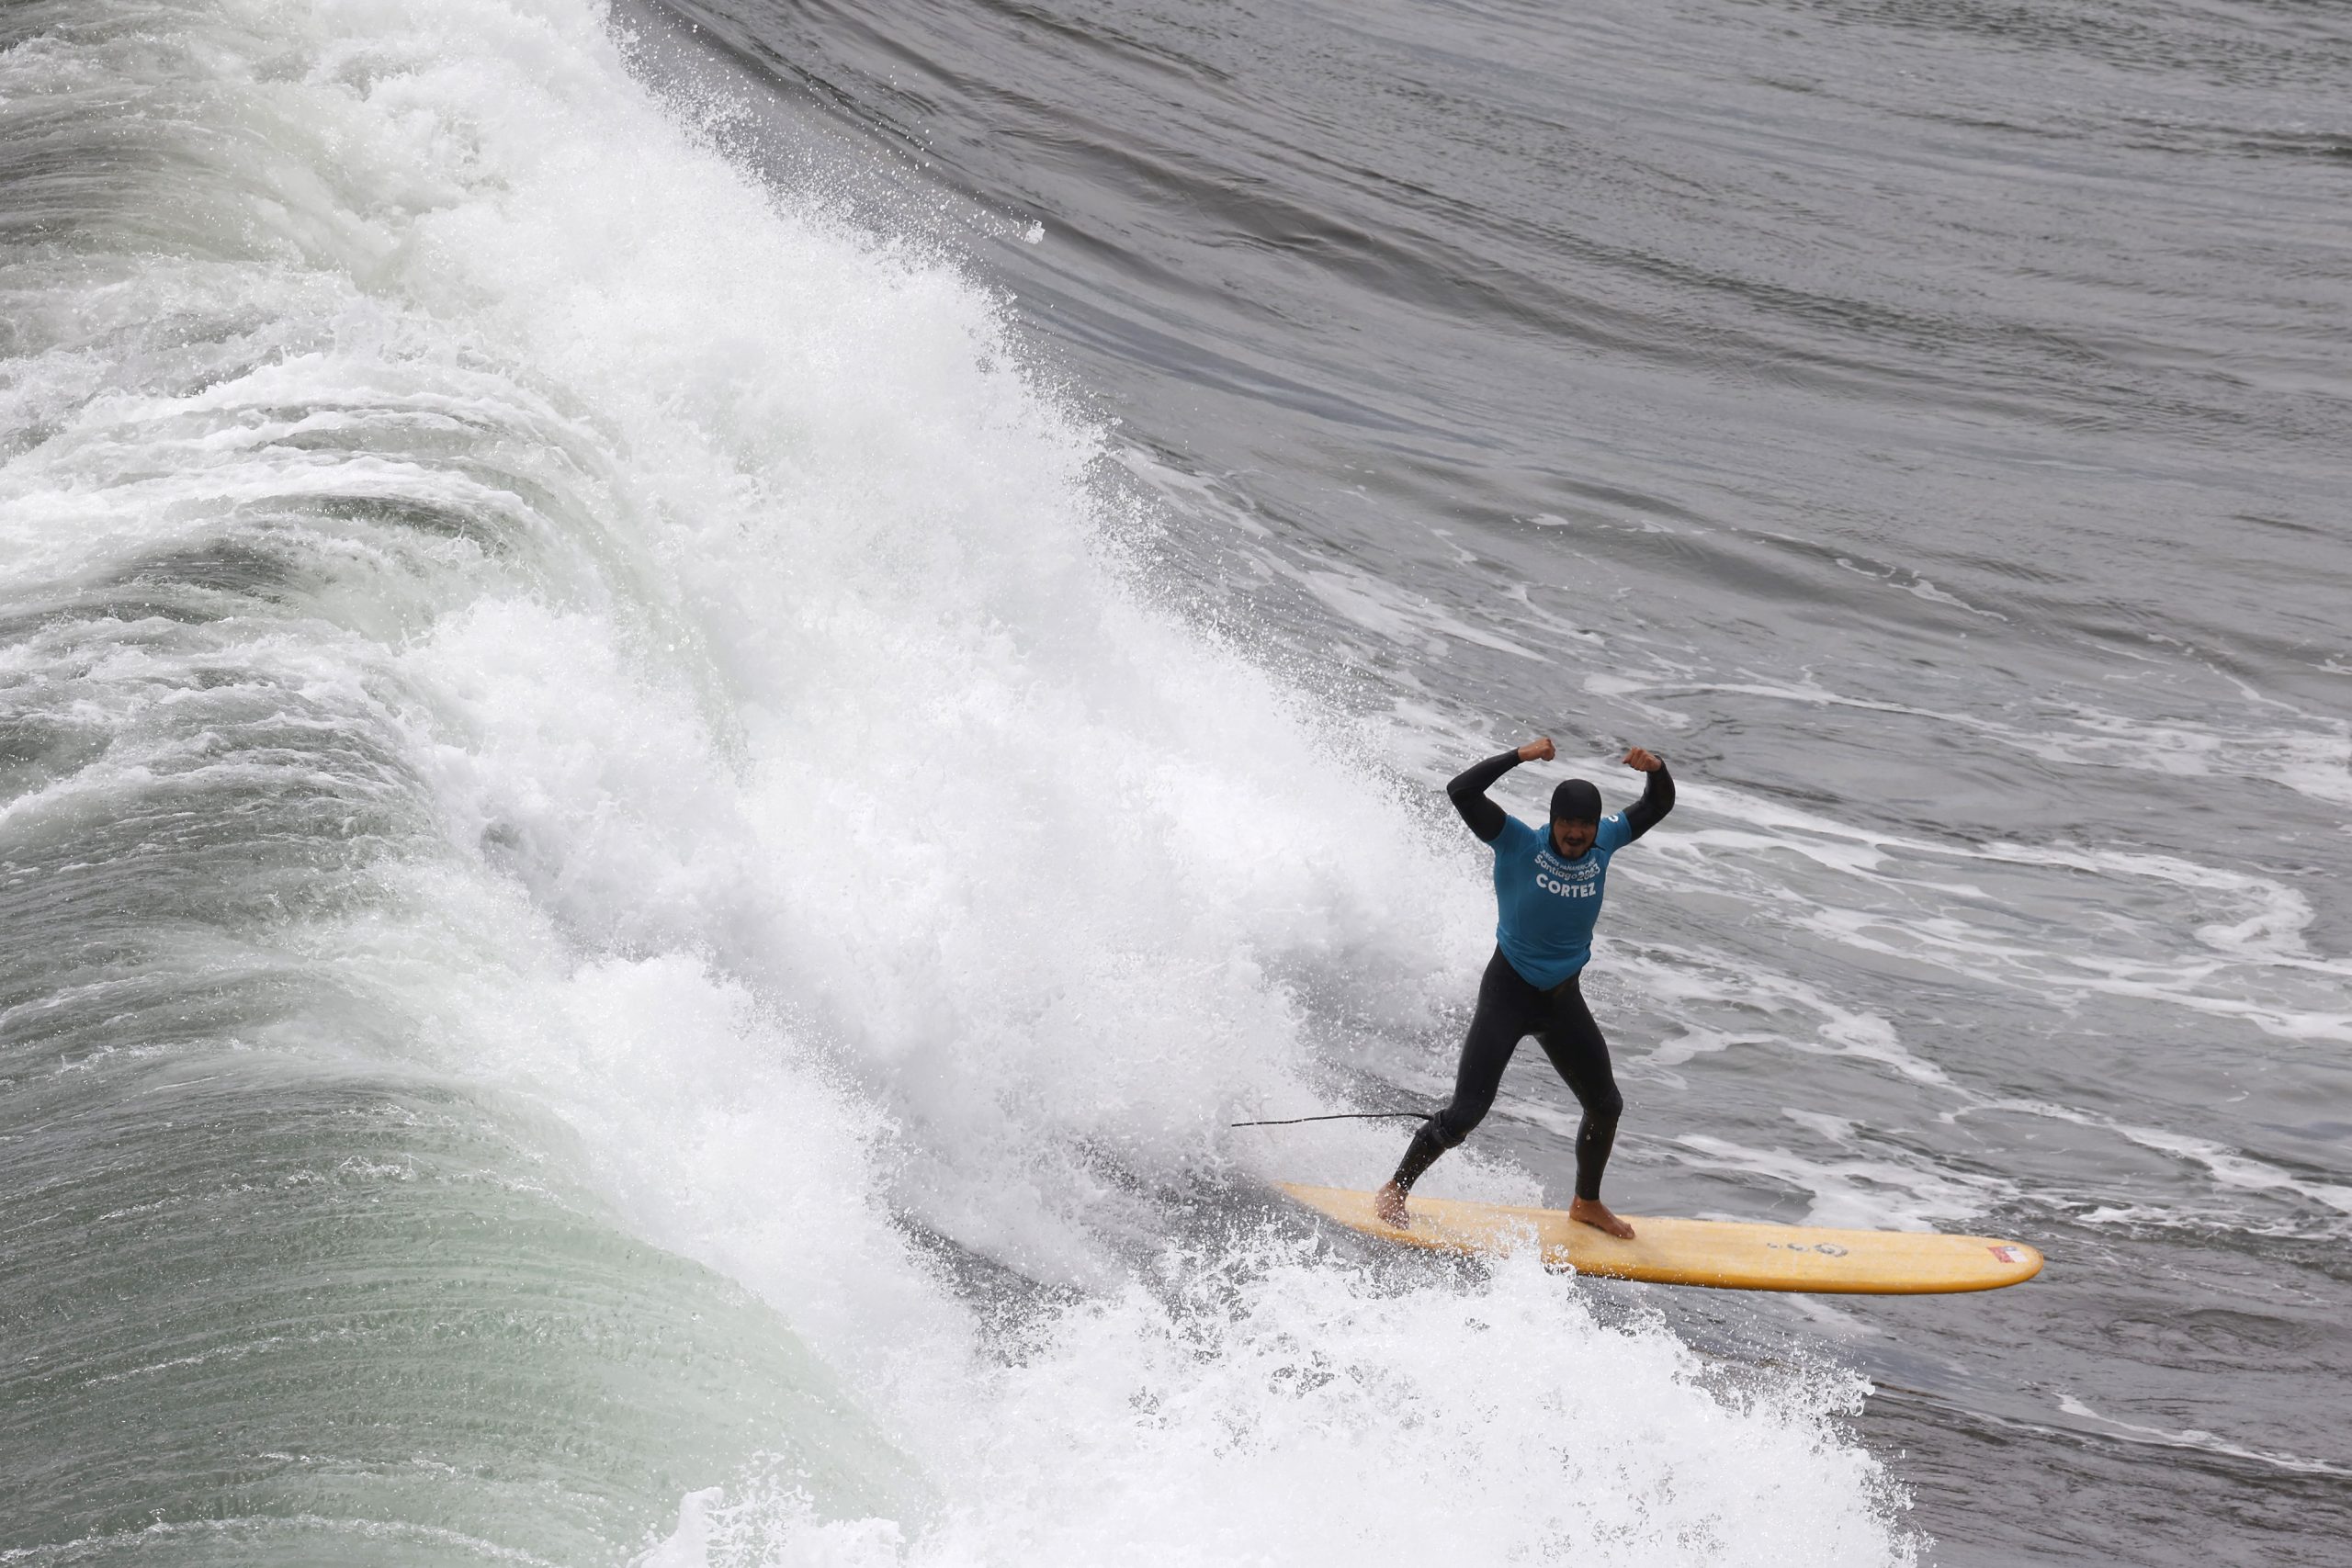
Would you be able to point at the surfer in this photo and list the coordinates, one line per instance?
(1548, 891)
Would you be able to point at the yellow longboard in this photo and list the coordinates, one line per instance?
(1726, 1254)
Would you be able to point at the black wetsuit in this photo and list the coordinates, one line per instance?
(1511, 1009)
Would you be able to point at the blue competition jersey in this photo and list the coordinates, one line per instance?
(1546, 904)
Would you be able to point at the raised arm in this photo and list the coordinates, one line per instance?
(1658, 792)
(1468, 790)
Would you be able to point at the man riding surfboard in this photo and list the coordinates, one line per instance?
(1548, 889)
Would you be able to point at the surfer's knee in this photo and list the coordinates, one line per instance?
(1605, 1104)
(1458, 1120)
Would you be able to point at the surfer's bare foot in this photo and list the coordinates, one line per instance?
(1388, 1206)
(1594, 1212)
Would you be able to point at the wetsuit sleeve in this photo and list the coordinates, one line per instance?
(1468, 792)
(1657, 799)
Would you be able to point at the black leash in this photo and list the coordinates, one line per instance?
(1338, 1116)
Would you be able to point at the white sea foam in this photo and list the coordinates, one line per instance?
(2196, 1437)
(1865, 1191)
(2314, 1207)
(1819, 1025)
(2216, 940)
(2313, 759)
(1290, 1411)
(2232, 1168)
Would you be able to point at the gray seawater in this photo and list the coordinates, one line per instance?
(688, 697)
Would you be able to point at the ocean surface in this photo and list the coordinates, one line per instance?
(689, 694)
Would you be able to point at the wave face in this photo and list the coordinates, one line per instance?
(616, 888)
(642, 855)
